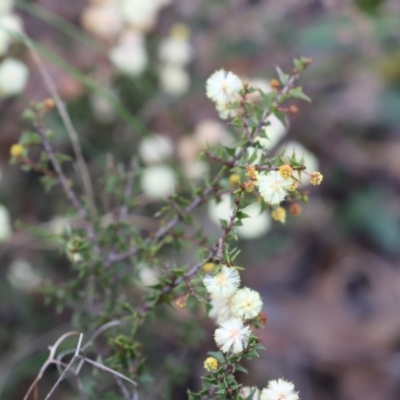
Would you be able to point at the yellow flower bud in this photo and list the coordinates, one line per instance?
(285, 171)
(279, 214)
(208, 267)
(316, 178)
(274, 83)
(252, 173)
(248, 186)
(180, 31)
(211, 364)
(16, 150)
(294, 186)
(181, 301)
(234, 179)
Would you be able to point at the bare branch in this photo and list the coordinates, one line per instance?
(74, 358)
(50, 360)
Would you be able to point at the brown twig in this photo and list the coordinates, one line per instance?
(70, 194)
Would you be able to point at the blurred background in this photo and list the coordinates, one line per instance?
(330, 277)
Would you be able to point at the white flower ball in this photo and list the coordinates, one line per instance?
(211, 132)
(60, 225)
(6, 6)
(195, 169)
(158, 181)
(174, 80)
(155, 149)
(104, 21)
(130, 56)
(257, 225)
(5, 41)
(275, 132)
(11, 24)
(22, 276)
(13, 77)
(102, 109)
(221, 210)
(148, 276)
(175, 50)
(5, 224)
(140, 14)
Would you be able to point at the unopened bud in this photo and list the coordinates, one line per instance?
(252, 173)
(16, 150)
(279, 214)
(248, 186)
(262, 317)
(234, 179)
(275, 84)
(293, 110)
(48, 104)
(285, 171)
(181, 301)
(316, 178)
(295, 209)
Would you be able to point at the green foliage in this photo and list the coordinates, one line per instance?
(110, 256)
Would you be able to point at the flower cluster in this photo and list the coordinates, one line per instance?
(231, 307)
(157, 180)
(175, 52)
(123, 23)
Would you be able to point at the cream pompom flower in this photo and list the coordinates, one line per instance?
(246, 303)
(279, 390)
(5, 224)
(223, 86)
(6, 6)
(174, 79)
(129, 56)
(155, 149)
(13, 77)
(232, 336)
(158, 181)
(223, 284)
(246, 391)
(227, 110)
(220, 309)
(273, 187)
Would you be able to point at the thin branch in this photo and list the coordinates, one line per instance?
(74, 358)
(72, 197)
(111, 371)
(124, 389)
(127, 194)
(50, 360)
(66, 120)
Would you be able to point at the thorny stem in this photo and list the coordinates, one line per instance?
(36, 167)
(72, 197)
(215, 254)
(70, 194)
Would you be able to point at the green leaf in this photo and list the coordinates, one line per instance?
(48, 182)
(298, 93)
(283, 78)
(242, 369)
